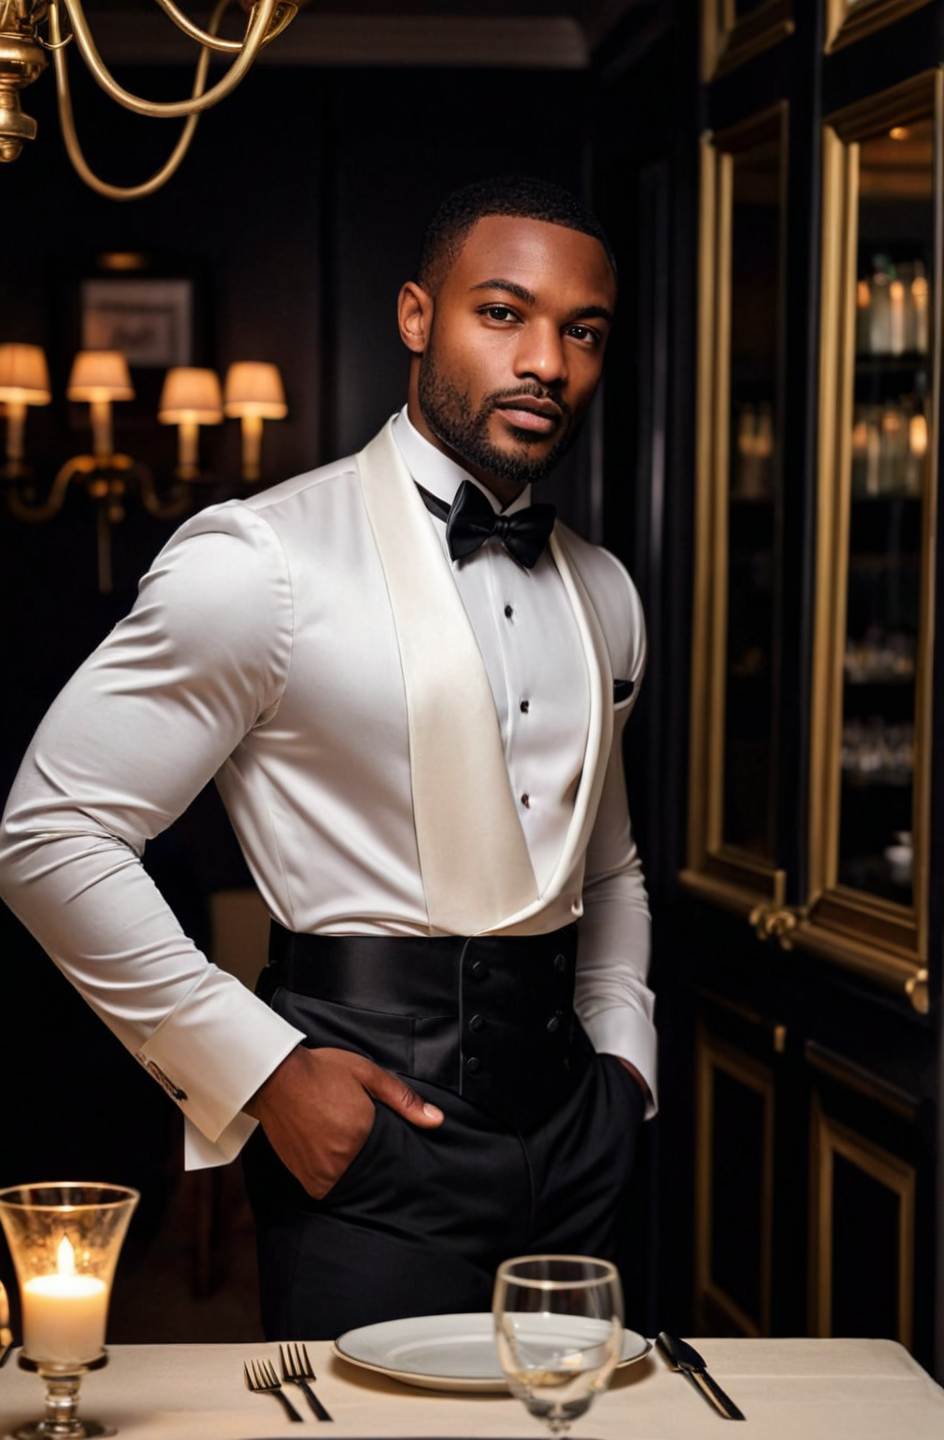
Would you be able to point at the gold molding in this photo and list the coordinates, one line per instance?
(880, 938)
(711, 1055)
(733, 878)
(827, 1139)
(727, 41)
(855, 1077)
(846, 22)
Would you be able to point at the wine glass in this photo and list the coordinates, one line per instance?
(559, 1332)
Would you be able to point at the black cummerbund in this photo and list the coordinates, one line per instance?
(490, 1018)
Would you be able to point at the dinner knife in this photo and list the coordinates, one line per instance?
(686, 1358)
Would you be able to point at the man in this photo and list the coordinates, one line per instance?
(410, 687)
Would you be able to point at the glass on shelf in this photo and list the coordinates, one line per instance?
(875, 752)
(878, 658)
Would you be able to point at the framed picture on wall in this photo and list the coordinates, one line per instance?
(150, 320)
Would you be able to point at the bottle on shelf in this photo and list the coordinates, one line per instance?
(919, 310)
(753, 479)
(893, 308)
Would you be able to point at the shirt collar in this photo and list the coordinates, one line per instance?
(436, 472)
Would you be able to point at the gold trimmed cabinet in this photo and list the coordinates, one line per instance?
(815, 809)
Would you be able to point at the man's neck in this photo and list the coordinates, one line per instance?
(505, 491)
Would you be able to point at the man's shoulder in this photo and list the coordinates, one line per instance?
(310, 486)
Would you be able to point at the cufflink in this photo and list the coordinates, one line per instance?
(174, 1091)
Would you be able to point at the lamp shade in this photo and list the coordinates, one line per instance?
(255, 388)
(24, 378)
(100, 375)
(192, 395)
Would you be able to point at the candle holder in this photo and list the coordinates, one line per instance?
(65, 1238)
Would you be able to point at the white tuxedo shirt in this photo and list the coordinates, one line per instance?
(357, 699)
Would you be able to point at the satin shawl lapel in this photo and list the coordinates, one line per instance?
(599, 729)
(472, 851)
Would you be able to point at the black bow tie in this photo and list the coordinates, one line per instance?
(470, 521)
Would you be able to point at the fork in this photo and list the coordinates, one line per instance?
(262, 1379)
(296, 1369)
(6, 1335)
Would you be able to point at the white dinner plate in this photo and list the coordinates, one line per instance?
(444, 1352)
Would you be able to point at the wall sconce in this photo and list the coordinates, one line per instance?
(24, 380)
(190, 398)
(100, 377)
(254, 393)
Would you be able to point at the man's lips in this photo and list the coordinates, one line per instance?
(541, 416)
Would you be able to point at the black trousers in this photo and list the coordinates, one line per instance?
(534, 1154)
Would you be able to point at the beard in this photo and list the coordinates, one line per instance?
(449, 414)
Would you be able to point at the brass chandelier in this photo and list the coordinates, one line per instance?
(23, 58)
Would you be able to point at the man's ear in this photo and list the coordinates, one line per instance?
(414, 316)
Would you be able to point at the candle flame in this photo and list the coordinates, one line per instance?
(65, 1257)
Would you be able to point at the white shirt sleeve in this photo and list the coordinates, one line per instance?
(141, 727)
(612, 999)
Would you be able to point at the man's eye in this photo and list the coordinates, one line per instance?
(590, 335)
(502, 309)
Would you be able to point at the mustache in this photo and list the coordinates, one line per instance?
(505, 396)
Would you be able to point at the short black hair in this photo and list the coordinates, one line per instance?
(527, 196)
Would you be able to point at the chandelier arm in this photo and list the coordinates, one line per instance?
(216, 42)
(49, 508)
(71, 139)
(168, 509)
(259, 20)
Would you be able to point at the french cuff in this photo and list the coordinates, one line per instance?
(625, 1032)
(213, 1051)
(201, 1153)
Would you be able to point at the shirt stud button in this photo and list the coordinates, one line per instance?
(553, 1024)
(473, 1064)
(560, 963)
(476, 1022)
(478, 969)
(509, 611)
(525, 706)
(526, 800)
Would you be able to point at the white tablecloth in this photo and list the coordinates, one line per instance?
(788, 1389)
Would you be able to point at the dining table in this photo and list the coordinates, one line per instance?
(788, 1389)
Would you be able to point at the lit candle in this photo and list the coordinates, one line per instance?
(64, 1313)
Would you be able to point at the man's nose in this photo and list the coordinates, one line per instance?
(541, 353)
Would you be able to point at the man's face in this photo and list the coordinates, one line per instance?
(523, 315)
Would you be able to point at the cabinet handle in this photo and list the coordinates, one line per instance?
(774, 922)
(916, 988)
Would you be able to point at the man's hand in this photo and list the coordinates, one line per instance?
(316, 1111)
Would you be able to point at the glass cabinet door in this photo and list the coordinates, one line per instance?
(734, 764)
(878, 422)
